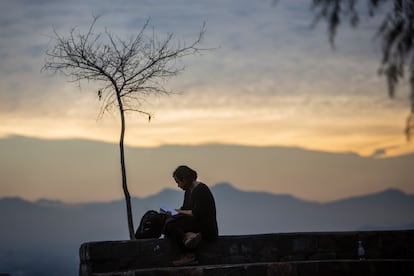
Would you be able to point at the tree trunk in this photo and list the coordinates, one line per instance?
(124, 178)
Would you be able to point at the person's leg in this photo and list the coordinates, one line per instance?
(191, 240)
(176, 230)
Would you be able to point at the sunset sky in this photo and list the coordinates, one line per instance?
(271, 80)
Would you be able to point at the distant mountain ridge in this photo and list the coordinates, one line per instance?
(388, 208)
(89, 170)
(34, 233)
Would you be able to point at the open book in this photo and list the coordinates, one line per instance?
(164, 209)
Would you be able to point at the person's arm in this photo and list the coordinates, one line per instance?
(203, 204)
(185, 212)
(186, 201)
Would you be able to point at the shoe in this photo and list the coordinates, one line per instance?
(191, 240)
(186, 259)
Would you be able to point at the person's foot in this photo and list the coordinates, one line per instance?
(186, 259)
(191, 240)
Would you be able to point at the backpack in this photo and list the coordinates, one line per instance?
(151, 225)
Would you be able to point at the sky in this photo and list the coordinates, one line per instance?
(270, 79)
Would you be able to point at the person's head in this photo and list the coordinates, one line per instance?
(184, 177)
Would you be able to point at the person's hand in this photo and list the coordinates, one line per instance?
(185, 212)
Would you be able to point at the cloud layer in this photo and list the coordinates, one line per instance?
(271, 80)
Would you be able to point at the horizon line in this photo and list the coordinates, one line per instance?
(374, 155)
(222, 184)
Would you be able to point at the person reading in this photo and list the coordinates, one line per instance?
(196, 219)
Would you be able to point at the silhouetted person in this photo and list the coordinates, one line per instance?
(196, 219)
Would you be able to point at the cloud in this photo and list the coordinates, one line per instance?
(379, 153)
(269, 70)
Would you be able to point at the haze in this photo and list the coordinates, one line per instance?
(271, 82)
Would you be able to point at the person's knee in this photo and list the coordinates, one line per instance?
(168, 228)
(171, 228)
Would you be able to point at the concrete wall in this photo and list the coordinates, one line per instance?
(294, 252)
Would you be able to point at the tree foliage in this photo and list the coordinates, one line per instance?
(396, 35)
(127, 71)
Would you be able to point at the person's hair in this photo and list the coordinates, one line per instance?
(185, 174)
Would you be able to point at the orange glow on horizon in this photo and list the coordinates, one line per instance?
(363, 136)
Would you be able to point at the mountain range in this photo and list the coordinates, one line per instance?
(47, 233)
(77, 170)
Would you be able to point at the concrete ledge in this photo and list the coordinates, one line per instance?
(117, 256)
(309, 268)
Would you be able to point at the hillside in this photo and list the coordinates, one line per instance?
(84, 171)
(49, 232)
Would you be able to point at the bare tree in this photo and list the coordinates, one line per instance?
(396, 34)
(127, 70)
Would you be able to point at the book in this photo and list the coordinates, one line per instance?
(164, 209)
